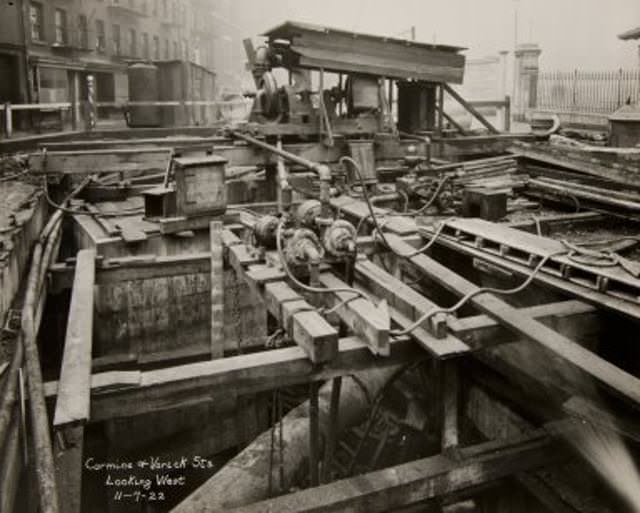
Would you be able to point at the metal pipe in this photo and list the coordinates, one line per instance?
(245, 478)
(322, 170)
(284, 190)
(39, 418)
(381, 198)
(42, 254)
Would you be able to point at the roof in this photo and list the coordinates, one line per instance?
(289, 29)
(630, 34)
(336, 50)
(403, 68)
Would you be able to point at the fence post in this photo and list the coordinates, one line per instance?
(8, 120)
(619, 102)
(507, 113)
(574, 89)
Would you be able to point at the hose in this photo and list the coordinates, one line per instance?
(378, 228)
(480, 290)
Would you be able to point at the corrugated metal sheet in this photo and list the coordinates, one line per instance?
(340, 61)
(290, 29)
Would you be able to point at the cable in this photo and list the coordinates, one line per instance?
(481, 290)
(303, 286)
(433, 199)
(378, 228)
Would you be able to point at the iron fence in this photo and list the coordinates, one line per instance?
(588, 91)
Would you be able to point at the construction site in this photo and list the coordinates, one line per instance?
(347, 300)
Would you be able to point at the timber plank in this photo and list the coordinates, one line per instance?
(73, 404)
(276, 293)
(363, 317)
(100, 161)
(420, 480)
(135, 393)
(315, 335)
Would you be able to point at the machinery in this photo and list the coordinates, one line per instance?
(338, 83)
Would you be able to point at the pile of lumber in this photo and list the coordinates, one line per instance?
(579, 195)
(493, 173)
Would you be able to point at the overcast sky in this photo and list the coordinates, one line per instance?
(571, 33)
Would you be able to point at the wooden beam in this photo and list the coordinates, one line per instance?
(420, 480)
(217, 289)
(363, 317)
(117, 396)
(472, 110)
(74, 387)
(481, 331)
(451, 120)
(614, 378)
(100, 161)
(267, 370)
(408, 305)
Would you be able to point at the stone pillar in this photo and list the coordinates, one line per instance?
(526, 69)
(503, 73)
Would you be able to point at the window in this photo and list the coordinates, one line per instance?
(35, 16)
(156, 48)
(143, 6)
(176, 54)
(166, 49)
(83, 31)
(145, 45)
(164, 8)
(101, 40)
(60, 20)
(115, 34)
(133, 47)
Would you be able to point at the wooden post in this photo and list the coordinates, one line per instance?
(507, 113)
(330, 444)
(314, 433)
(8, 120)
(217, 289)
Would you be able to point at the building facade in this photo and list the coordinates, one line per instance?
(48, 47)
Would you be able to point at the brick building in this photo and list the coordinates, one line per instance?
(47, 47)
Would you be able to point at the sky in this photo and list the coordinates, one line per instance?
(571, 33)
